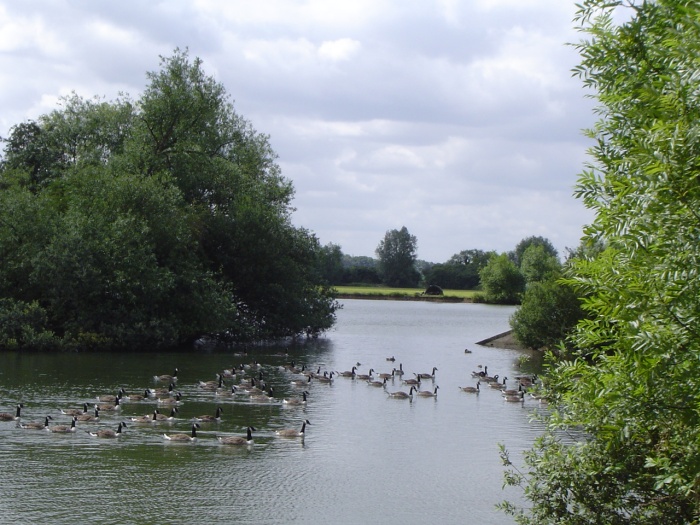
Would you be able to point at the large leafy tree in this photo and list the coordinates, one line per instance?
(528, 242)
(396, 255)
(460, 272)
(501, 280)
(151, 223)
(634, 394)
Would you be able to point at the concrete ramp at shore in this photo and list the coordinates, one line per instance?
(502, 340)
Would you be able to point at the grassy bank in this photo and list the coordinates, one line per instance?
(381, 292)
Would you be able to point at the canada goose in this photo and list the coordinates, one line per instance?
(163, 391)
(325, 378)
(399, 371)
(470, 389)
(365, 377)
(108, 432)
(162, 418)
(184, 437)
(501, 384)
(348, 373)
(263, 397)
(415, 382)
(295, 401)
(89, 417)
(467, 351)
(378, 383)
(75, 411)
(482, 373)
(527, 381)
(111, 408)
(317, 373)
(110, 398)
(400, 394)
(514, 398)
(511, 391)
(7, 416)
(209, 418)
(426, 375)
(489, 379)
(428, 393)
(293, 368)
(145, 418)
(238, 440)
(254, 364)
(392, 359)
(63, 429)
(538, 396)
(35, 425)
(147, 393)
(301, 382)
(253, 385)
(170, 400)
(386, 375)
(292, 432)
(212, 385)
(226, 392)
(167, 378)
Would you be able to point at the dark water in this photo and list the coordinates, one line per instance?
(366, 457)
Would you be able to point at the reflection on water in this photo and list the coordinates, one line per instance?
(366, 456)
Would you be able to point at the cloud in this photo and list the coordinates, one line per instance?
(459, 120)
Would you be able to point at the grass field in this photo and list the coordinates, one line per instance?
(379, 292)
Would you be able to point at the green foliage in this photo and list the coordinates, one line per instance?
(633, 400)
(397, 259)
(548, 313)
(538, 265)
(532, 241)
(150, 224)
(460, 272)
(501, 281)
(331, 263)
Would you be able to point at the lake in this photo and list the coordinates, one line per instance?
(366, 456)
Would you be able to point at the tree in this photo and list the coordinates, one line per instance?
(460, 272)
(151, 224)
(331, 263)
(537, 264)
(547, 315)
(634, 393)
(533, 240)
(397, 259)
(501, 281)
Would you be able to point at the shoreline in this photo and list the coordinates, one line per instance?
(426, 298)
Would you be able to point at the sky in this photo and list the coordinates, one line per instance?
(458, 119)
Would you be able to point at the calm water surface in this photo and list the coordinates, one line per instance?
(366, 457)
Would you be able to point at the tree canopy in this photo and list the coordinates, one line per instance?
(397, 258)
(501, 280)
(632, 394)
(150, 223)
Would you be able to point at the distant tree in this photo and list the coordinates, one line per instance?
(533, 241)
(502, 281)
(397, 258)
(331, 263)
(360, 269)
(358, 261)
(547, 315)
(460, 272)
(537, 264)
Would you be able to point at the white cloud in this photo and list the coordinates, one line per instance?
(459, 120)
(341, 49)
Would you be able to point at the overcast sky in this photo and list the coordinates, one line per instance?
(458, 119)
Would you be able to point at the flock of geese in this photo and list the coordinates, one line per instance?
(249, 383)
